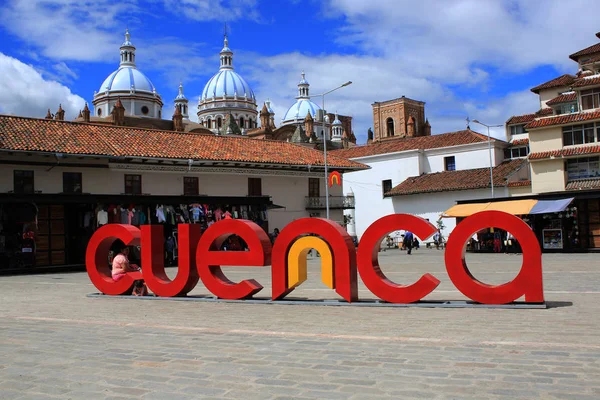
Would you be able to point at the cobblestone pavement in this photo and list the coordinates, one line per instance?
(57, 343)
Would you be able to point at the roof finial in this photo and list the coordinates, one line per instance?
(180, 88)
(468, 122)
(225, 41)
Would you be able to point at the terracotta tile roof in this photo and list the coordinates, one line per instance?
(565, 152)
(563, 98)
(519, 142)
(413, 143)
(447, 181)
(30, 134)
(526, 118)
(580, 184)
(563, 80)
(587, 81)
(519, 183)
(563, 119)
(588, 50)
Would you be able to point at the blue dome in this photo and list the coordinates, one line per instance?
(227, 83)
(126, 77)
(299, 110)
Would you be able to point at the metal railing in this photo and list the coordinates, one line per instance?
(319, 203)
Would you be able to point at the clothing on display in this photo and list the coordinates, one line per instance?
(102, 217)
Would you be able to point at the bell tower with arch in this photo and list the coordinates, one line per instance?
(399, 118)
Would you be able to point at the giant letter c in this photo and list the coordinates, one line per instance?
(529, 280)
(368, 263)
(96, 257)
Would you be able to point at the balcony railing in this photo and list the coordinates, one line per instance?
(335, 202)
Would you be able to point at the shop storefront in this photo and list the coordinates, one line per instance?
(47, 231)
(561, 224)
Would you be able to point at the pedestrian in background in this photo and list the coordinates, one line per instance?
(408, 241)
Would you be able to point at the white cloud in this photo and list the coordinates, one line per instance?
(68, 29)
(425, 50)
(447, 37)
(213, 10)
(27, 93)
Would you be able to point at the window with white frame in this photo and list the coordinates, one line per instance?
(566, 108)
(578, 134)
(590, 99)
(583, 168)
(517, 129)
(450, 163)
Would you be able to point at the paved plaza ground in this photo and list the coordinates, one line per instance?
(57, 343)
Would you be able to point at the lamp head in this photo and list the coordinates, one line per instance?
(347, 83)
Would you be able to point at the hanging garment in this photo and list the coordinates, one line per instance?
(196, 212)
(160, 214)
(141, 217)
(135, 219)
(102, 218)
(130, 215)
(218, 214)
(227, 215)
(124, 216)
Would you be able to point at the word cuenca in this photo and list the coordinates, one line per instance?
(200, 258)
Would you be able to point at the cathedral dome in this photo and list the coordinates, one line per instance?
(127, 78)
(299, 110)
(227, 101)
(130, 86)
(227, 83)
(302, 106)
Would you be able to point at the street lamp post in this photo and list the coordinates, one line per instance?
(490, 151)
(322, 95)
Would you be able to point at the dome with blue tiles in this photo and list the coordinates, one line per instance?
(128, 84)
(227, 97)
(227, 83)
(126, 79)
(299, 109)
(303, 104)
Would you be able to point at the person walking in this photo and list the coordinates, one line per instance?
(408, 241)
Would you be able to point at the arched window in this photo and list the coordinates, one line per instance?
(390, 127)
(99, 112)
(219, 122)
(241, 122)
(208, 123)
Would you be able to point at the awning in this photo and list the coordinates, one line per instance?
(464, 210)
(550, 206)
(514, 207)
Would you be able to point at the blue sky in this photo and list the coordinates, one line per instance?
(475, 58)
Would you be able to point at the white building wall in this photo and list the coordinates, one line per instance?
(366, 185)
(431, 205)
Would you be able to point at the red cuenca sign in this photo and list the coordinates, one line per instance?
(200, 258)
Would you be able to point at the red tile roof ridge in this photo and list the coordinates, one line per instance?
(397, 145)
(566, 97)
(579, 116)
(563, 80)
(519, 183)
(590, 148)
(445, 181)
(234, 137)
(45, 135)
